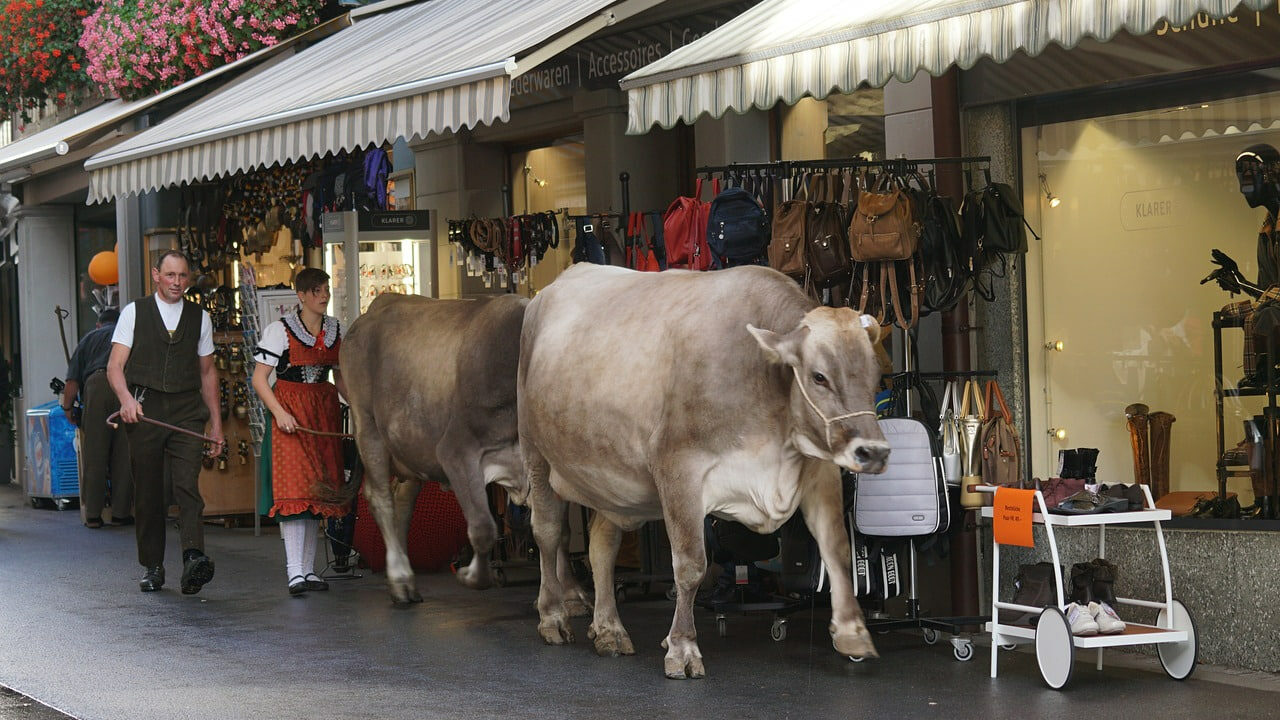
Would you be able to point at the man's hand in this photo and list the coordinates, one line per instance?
(215, 447)
(131, 410)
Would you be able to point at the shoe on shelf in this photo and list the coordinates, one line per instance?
(314, 582)
(153, 580)
(1105, 617)
(197, 570)
(297, 585)
(1081, 622)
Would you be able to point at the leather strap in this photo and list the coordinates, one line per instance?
(994, 389)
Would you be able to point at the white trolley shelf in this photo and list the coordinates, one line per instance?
(1174, 633)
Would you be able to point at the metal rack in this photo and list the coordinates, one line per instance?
(1270, 469)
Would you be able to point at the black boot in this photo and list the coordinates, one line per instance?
(1069, 463)
(1082, 583)
(1104, 578)
(1088, 459)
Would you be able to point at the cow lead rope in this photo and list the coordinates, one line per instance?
(826, 420)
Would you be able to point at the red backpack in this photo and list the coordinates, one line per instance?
(684, 227)
(639, 247)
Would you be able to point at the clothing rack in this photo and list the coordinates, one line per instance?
(787, 168)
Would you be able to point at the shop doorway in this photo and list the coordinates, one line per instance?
(1142, 200)
(551, 178)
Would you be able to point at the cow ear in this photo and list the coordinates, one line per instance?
(871, 326)
(777, 348)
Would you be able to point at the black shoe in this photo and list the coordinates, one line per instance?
(122, 521)
(297, 585)
(93, 523)
(313, 582)
(196, 571)
(153, 580)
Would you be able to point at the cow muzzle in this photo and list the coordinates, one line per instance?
(864, 456)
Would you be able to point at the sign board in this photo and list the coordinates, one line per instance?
(418, 220)
(1011, 516)
(275, 304)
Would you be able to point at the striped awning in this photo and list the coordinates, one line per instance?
(400, 70)
(784, 50)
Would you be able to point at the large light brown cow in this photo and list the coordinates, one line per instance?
(677, 394)
(432, 387)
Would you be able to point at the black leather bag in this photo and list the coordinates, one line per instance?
(1034, 586)
(1005, 227)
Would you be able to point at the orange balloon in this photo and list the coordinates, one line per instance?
(104, 268)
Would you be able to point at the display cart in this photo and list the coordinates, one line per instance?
(1174, 633)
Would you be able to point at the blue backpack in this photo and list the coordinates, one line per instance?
(736, 229)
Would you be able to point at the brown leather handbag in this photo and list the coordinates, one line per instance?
(826, 246)
(883, 226)
(787, 243)
(1001, 445)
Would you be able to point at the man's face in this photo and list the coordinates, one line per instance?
(172, 279)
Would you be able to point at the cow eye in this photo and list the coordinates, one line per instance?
(820, 379)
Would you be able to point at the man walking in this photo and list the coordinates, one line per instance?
(161, 368)
(102, 447)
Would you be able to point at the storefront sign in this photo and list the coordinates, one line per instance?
(396, 220)
(1148, 209)
(600, 62)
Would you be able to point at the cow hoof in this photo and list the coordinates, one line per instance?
(555, 633)
(855, 643)
(678, 669)
(577, 606)
(611, 642)
(405, 595)
(475, 579)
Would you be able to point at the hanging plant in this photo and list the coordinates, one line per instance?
(136, 48)
(40, 61)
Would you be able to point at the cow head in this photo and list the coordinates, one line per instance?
(835, 378)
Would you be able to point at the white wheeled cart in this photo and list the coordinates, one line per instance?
(1174, 633)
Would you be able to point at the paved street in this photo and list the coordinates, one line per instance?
(76, 634)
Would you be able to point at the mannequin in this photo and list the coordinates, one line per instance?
(1258, 172)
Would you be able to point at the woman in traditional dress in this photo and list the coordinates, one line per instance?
(306, 468)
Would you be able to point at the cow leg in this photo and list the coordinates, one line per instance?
(377, 490)
(547, 518)
(683, 513)
(576, 602)
(822, 502)
(606, 629)
(469, 487)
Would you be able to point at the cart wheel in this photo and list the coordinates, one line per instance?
(722, 626)
(1179, 659)
(1009, 646)
(855, 659)
(1055, 651)
(620, 594)
(499, 577)
(35, 502)
(963, 651)
(779, 630)
(930, 635)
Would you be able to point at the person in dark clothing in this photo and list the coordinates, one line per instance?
(102, 447)
(162, 356)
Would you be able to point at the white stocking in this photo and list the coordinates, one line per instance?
(309, 548)
(294, 533)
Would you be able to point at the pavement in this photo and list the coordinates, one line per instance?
(77, 639)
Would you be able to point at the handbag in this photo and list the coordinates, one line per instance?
(1001, 446)
(970, 445)
(826, 245)
(949, 434)
(786, 244)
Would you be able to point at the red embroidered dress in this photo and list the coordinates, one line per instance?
(306, 469)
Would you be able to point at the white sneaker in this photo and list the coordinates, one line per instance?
(1109, 623)
(1080, 620)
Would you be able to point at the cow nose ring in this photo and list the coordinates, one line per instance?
(826, 420)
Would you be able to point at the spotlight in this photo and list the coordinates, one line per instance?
(1054, 200)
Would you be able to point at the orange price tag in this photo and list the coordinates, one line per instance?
(1011, 516)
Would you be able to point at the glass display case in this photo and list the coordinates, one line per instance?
(368, 254)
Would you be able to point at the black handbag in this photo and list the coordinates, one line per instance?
(1034, 586)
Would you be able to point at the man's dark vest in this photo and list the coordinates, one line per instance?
(160, 361)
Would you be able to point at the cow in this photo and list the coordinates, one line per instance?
(432, 387)
(679, 394)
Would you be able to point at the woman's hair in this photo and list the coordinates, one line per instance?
(309, 279)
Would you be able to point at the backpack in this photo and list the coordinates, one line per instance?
(587, 247)
(736, 231)
(787, 244)
(376, 168)
(685, 229)
(826, 244)
(945, 267)
(884, 225)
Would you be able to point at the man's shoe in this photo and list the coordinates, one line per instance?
(196, 572)
(93, 523)
(122, 521)
(153, 580)
(1082, 623)
(1109, 623)
(314, 582)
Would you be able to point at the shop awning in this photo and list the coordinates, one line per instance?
(784, 50)
(401, 70)
(41, 151)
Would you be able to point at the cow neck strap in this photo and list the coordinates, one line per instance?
(826, 421)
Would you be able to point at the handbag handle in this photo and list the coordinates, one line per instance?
(994, 389)
(971, 389)
(947, 391)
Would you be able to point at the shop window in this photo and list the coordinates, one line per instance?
(1143, 199)
(855, 125)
